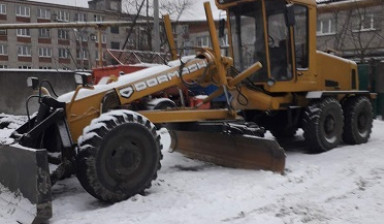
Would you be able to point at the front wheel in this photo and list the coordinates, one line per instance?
(119, 155)
(323, 124)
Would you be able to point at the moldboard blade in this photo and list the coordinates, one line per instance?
(238, 151)
(25, 186)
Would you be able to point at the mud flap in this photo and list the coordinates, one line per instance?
(25, 186)
(238, 151)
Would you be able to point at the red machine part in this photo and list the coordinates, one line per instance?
(114, 70)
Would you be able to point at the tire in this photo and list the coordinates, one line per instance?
(119, 156)
(323, 123)
(358, 118)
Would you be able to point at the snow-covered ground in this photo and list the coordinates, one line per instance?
(344, 185)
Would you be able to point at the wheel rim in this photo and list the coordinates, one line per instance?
(362, 123)
(329, 127)
(124, 160)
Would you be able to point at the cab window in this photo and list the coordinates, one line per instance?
(301, 36)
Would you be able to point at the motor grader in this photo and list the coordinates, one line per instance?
(274, 79)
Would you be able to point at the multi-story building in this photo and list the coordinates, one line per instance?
(349, 28)
(67, 48)
(352, 29)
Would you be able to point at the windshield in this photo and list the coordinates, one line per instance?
(248, 38)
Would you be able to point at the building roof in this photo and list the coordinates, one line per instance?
(331, 6)
(76, 3)
(195, 12)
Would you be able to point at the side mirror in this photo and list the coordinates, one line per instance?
(290, 15)
(221, 28)
(84, 79)
(33, 82)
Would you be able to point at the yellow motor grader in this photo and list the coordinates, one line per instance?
(273, 79)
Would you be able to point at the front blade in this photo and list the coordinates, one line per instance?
(239, 151)
(25, 187)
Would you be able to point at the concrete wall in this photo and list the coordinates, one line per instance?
(14, 91)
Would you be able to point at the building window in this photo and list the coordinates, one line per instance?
(63, 53)
(25, 67)
(23, 11)
(3, 66)
(45, 67)
(43, 14)
(98, 18)
(63, 34)
(203, 41)
(3, 49)
(80, 17)
(3, 32)
(3, 9)
(114, 6)
(115, 29)
(82, 54)
(115, 45)
(368, 22)
(23, 32)
(24, 51)
(103, 38)
(325, 27)
(187, 46)
(45, 52)
(82, 37)
(62, 16)
(44, 33)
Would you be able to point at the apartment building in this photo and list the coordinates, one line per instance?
(352, 29)
(67, 48)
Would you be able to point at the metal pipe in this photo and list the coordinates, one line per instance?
(156, 28)
(215, 44)
(170, 37)
(100, 47)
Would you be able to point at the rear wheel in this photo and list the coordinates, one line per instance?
(119, 155)
(323, 125)
(358, 117)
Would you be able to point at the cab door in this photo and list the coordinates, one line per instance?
(301, 50)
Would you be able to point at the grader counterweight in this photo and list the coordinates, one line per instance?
(273, 79)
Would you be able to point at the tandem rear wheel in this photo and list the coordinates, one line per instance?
(119, 155)
(327, 122)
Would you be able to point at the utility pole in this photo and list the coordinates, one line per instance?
(156, 28)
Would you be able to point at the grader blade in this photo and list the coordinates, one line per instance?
(25, 187)
(238, 151)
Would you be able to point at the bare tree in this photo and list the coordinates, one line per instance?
(144, 8)
(359, 29)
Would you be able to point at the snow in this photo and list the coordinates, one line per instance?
(344, 185)
(9, 201)
(132, 77)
